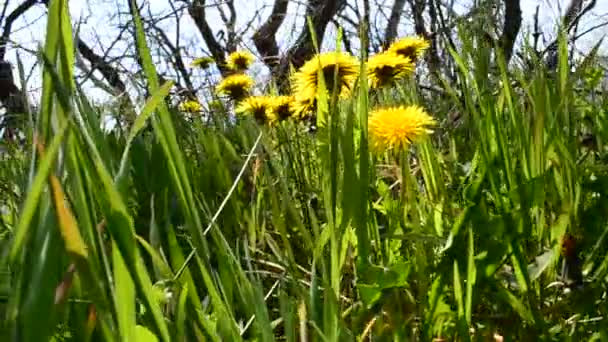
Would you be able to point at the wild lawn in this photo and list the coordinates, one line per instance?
(372, 211)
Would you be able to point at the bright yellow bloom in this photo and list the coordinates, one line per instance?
(282, 107)
(190, 106)
(412, 47)
(398, 126)
(384, 68)
(260, 107)
(202, 62)
(239, 60)
(303, 107)
(235, 86)
(306, 82)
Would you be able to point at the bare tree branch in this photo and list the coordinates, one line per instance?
(197, 11)
(418, 7)
(178, 62)
(11, 96)
(393, 22)
(363, 29)
(573, 14)
(321, 13)
(511, 27)
(232, 42)
(110, 74)
(8, 24)
(4, 8)
(265, 37)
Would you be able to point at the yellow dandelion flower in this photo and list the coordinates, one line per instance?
(398, 126)
(384, 68)
(282, 107)
(202, 62)
(260, 107)
(306, 82)
(412, 47)
(190, 106)
(235, 86)
(239, 60)
(303, 107)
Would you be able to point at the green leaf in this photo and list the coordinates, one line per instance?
(517, 305)
(180, 314)
(151, 105)
(375, 279)
(125, 296)
(34, 192)
(142, 334)
(471, 278)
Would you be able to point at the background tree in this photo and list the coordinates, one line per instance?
(278, 33)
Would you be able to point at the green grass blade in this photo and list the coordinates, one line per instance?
(471, 278)
(148, 109)
(125, 297)
(34, 192)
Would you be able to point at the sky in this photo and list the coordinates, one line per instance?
(94, 17)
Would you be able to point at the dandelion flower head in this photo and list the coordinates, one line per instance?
(303, 107)
(235, 86)
(306, 79)
(239, 60)
(282, 107)
(386, 67)
(412, 47)
(190, 106)
(397, 127)
(202, 62)
(260, 107)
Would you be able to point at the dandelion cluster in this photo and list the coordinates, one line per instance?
(238, 87)
(397, 127)
(389, 128)
(267, 109)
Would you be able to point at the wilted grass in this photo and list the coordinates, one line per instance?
(179, 230)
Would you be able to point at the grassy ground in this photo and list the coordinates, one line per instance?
(175, 230)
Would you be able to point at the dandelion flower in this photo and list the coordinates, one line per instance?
(384, 68)
(306, 82)
(282, 107)
(239, 60)
(260, 107)
(396, 127)
(202, 62)
(235, 86)
(303, 107)
(412, 47)
(190, 106)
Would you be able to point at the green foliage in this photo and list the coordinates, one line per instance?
(178, 229)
